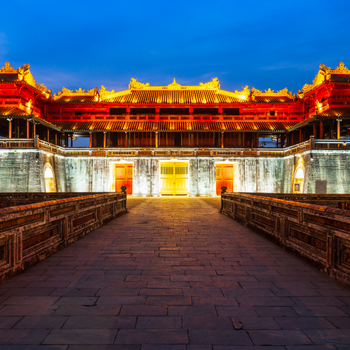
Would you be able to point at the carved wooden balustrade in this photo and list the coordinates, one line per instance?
(320, 234)
(29, 233)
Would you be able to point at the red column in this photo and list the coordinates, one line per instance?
(47, 134)
(257, 140)
(321, 129)
(243, 138)
(314, 130)
(126, 139)
(10, 128)
(338, 128)
(104, 139)
(222, 140)
(34, 129)
(156, 137)
(300, 136)
(90, 139)
(191, 137)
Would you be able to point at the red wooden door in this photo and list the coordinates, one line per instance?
(123, 177)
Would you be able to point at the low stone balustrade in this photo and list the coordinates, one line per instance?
(320, 234)
(10, 199)
(29, 233)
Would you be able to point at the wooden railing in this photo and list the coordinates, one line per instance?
(172, 151)
(29, 233)
(317, 233)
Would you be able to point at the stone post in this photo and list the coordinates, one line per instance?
(223, 190)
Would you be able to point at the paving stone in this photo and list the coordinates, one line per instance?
(81, 336)
(87, 310)
(46, 322)
(146, 310)
(219, 337)
(8, 322)
(236, 311)
(152, 336)
(279, 337)
(329, 336)
(203, 310)
(206, 322)
(20, 336)
(163, 347)
(304, 323)
(256, 322)
(100, 322)
(32, 347)
(167, 322)
(168, 300)
(30, 300)
(76, 301)
(121, 300)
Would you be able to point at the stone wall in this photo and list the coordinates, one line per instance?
(23, 171)
(332, 166)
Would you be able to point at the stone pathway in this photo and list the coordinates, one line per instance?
(174, 274)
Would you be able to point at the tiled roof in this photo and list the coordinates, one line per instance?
(167, 126)
(77, 99)
(174, 97)
(272, 99)
(343, 112)
(12, 112)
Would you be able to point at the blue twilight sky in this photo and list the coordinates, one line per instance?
(264, 44)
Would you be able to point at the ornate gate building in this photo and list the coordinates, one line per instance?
(174, 139)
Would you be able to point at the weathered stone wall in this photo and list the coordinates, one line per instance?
(332, 166)
(23, 171)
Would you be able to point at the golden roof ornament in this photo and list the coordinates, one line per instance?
(341, 69)
(134, 84)
(271, 93)
(8, 69)
(174, 85)
(213, 84)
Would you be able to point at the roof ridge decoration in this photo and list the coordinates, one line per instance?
(241, 95)
(284, 92)
(80, 92)
(214, 84)
(8, 68)
(107, 95)
(174, 86)
(24, 74)
(136, 85)
(323, 74)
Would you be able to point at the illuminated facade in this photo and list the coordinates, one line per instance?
(174, 139)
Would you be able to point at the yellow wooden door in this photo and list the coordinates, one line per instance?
(174, 178)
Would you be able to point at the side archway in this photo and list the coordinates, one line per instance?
(49, 175)
(299, 175)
